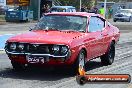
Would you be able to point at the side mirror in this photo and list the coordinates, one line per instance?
(108, 25)
(82, 31)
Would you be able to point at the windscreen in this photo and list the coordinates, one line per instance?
(60, 22)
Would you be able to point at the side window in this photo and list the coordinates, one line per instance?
(96, 24)
(92, 23)
(70, 10)
(101, 24)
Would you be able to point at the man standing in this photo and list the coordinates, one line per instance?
(94, 10)
(102, 11)
(110, 12)
(83, 9)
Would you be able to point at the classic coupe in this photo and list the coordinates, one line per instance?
(63, 39)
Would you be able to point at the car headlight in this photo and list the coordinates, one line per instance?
(13, 46)
(60, 50)
(21, 46)
(64, 49)
(56, 48)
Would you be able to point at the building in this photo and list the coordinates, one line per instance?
(129, 5)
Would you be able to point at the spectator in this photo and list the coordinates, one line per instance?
(83, 9)
(110, 12)
(47, 8)
(102, 11)
(43, 9)
(94, 10)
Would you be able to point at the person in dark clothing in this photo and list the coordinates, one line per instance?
(94, 10)
(83, 9)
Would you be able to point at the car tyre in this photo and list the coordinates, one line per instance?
(80, 61)
(114, 20)
(17, 67)
(108, 58)
(130, 20)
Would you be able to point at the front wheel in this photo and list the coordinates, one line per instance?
(80, 62)
(108, 58)
(130, 20)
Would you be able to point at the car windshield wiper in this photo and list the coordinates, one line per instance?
(71, 30)
(52, 29)
(33, 28)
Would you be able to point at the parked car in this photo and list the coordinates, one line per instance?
(64, 40)
(123, 15)
(62, 9)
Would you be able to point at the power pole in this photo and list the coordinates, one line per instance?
(105, 2)
(80, 5)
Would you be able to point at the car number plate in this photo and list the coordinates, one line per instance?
(35, 59)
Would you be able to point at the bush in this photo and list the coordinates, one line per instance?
(2, 17)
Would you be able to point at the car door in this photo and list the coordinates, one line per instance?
(95, 36)
(106, 33)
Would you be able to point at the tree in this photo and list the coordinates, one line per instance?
(75, 3)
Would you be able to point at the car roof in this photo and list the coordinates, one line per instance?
(63, 7)
(75, 14)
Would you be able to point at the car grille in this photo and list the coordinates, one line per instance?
(32, 48)
(119, 15)
(40, 49)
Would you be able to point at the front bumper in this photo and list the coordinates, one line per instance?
(50, 59)
(51, 62)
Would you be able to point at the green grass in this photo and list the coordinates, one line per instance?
(2, 17)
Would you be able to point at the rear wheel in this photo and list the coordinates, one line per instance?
(17, 67)
(108, 58)
(80, 62)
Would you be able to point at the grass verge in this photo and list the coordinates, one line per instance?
(2, 19)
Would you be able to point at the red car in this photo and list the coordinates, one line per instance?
(64, 39)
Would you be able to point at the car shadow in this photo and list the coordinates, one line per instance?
(93, 65)
(35, 74)
(44, 74)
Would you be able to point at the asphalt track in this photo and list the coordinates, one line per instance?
(49, 78)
